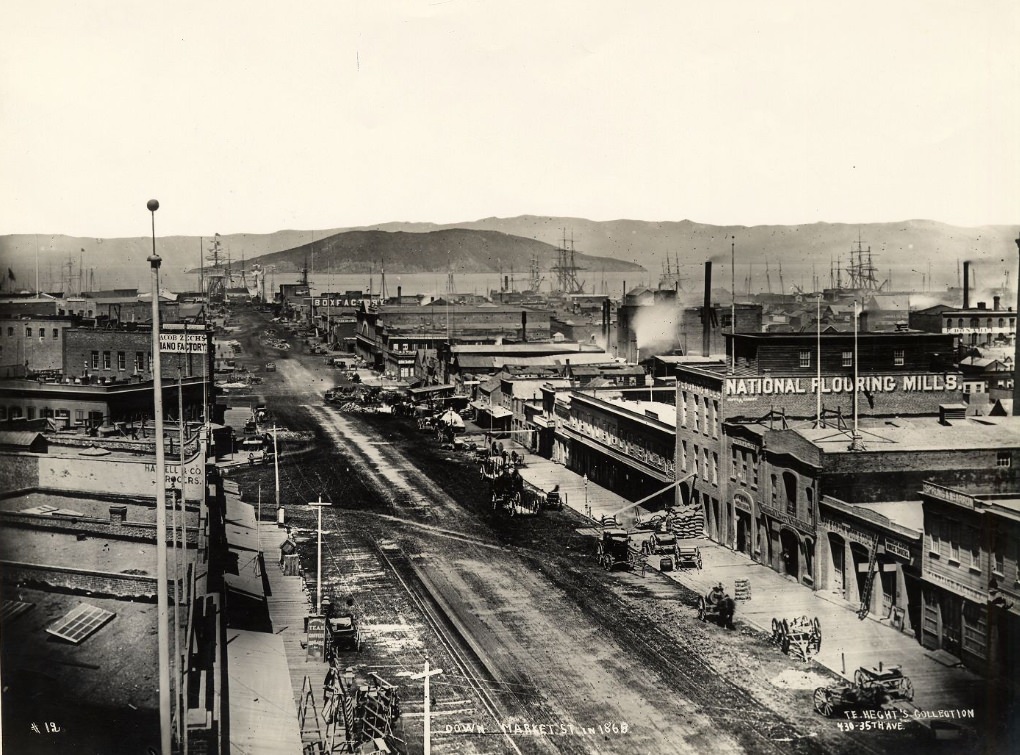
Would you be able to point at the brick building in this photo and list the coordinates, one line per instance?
(36, 341)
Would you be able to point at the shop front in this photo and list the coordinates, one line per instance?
(870, 560)
(787, 545)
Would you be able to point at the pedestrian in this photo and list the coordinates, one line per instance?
(251, 460)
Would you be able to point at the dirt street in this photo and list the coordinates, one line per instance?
(542, 651)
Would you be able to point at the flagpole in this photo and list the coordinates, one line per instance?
(162, 593)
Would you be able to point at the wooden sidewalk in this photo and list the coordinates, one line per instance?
(288, 606)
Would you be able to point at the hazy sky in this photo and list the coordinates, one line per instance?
(257, 116)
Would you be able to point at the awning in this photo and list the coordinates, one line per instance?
(416, 392)
(497, 412)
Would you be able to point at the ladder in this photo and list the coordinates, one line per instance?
(311, 731)
(869, 582)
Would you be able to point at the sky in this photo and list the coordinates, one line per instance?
(251, 117)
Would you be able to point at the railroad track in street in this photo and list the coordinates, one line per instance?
(470, 660)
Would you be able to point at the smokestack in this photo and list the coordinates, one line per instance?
(706, 312)
(995, 302)
(506, 282)
(966, 285)
(399, 294)
(524, 325)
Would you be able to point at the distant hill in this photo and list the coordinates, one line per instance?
(456, 249)
(902, 250)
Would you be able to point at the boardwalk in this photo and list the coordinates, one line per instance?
(289, 604)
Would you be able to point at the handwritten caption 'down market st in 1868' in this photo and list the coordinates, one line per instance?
(782, 386)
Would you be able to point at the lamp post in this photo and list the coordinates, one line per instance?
(162, 594)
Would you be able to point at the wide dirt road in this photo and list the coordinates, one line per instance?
(577, 660)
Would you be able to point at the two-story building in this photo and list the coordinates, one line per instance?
(971, 584)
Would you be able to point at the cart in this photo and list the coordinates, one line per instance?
(688, 557)
(800, 637)
(718, 607)
(896, 685)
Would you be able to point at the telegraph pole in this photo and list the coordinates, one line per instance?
(318, 555)
(428, 704)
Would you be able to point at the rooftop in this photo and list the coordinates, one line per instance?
(908, 514)
(51, 504)
(922, 434)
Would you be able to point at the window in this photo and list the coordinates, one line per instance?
(754, 470)
(139, 361)
(898, 357)
(974, 536)
(733, 462)
(3, 412)
(695, 458)
(1004, 459)
(683, 408)
(31, 412)
(936, 528)
(121, 361)
(706, 471)
(998, 559)
(775, 491)
(954, 540)
(28, 332)
(106, 360)
(95, 360)
(848, 359)
(10, 330)
(715, 468)
(810, 497)
(683, 455)
(805, 359)
(790, 485)
(715, 419)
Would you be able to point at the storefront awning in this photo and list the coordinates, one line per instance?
(429, 389)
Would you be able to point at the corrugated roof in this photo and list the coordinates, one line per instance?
(18, 438)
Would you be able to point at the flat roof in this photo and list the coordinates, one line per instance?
(89, 507)
(908, 514)
(921, 434)
(114, 667)
(262, 713)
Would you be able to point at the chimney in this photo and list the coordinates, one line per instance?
(399, 293)
(706, 312)
(981, 305)
(966, 285)
(524, 325)
(506, 282)
(996, 302)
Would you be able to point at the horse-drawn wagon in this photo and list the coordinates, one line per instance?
(717, 606)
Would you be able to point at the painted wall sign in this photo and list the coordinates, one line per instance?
(784, 386)
(182, 343)
(329, 301)
(785, 518)
(192, 474)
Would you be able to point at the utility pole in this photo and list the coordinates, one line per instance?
(428, 704)
(318, 555)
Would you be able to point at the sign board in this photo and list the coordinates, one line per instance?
(182, 343)
(891, 546)
(785, 386)
(316, 644)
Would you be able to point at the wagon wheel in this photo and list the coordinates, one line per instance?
(776, 631)
(823, 702)
(786, 628)
(785, 644)
(860, 679)
(481, 473)
(702, 607)
(907, 689)
(699, 559)
(646, 548)
(607, 562)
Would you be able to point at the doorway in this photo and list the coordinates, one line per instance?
(790, 556)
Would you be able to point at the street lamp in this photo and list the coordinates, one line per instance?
(162, 594)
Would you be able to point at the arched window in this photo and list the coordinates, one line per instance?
(790, 488)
